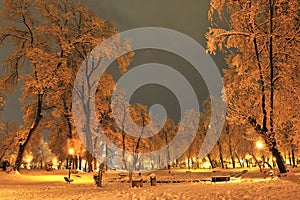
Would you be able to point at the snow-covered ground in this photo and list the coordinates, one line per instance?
(51, 185)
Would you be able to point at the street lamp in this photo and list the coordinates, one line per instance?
(260, 146)
(71, 152)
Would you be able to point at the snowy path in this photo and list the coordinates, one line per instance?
(15, 186)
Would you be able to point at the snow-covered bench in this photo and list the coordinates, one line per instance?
(122, 175)
(220, 179)
(239, 174)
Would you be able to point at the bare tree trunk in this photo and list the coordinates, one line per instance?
(85, 166)
(189, 157)
(37, 119)
(87, 128)
(279, 160)
(76, 162)
(274, 149)
(293, 158)
(159, 161)
(80, 163)
(231, 154)
(137, 147)
(290, 158)
(271, 9)
(270, 166)
(106, 156)
(256, 161)
(68, 118)
(247, 163)
(271, 142)
(237, 156)
(123, 146)
(230, 146)
(220, 154)
(95, 163)
(89, 160)
(168, 151)
(124, 163)
(124, 137)
(210, 161)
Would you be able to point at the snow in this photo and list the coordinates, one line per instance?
(33, 184)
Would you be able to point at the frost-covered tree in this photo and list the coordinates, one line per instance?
(8, 138)
(119, 106)
(83, 104)
(50, 39)
(261, 42)
(218, 139)
(139, 114)
(167, 133)
(41, 153)
(190, 128)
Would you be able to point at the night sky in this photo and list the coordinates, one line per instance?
(188, 17)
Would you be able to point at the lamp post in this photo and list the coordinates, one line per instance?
(260, 146)
(71, 152)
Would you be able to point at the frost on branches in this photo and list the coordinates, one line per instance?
(261, 44)
(50, 39)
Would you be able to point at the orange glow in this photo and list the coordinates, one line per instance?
(71, 151)
(259, 145)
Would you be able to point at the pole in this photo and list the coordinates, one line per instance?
(69, 172)
(69, 165)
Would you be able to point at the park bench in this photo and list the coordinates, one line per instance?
(220, 179)
(74, 171)
(238, 175)
(122, 175)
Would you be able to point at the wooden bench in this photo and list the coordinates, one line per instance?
(122, 175)
(220, 179)
(238, 175)
(74, 171)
